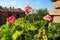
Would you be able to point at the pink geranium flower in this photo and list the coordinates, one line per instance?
(10, 19)
(47, 18)
(28, 9)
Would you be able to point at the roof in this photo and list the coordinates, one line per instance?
(11, 9)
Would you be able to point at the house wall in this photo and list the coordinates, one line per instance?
(4, 15)
(56, 12)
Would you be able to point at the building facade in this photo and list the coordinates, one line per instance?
(6, 12)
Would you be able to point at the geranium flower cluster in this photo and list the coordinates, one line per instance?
(10, 19)
(28, 9)
(47, 18)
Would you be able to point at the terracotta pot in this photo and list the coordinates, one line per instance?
(53, 0)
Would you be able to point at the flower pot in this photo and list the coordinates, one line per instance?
(53, 0)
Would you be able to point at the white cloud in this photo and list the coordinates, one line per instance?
(13, 3)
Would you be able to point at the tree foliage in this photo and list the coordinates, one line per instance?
(37, 15)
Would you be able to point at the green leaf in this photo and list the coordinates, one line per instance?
(16, 34)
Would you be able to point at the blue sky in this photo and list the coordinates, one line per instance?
(35, 4)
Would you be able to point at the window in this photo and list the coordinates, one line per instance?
(9, 14)
(18, 15)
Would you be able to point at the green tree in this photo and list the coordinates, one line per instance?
(41, 13)
(37, 15)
